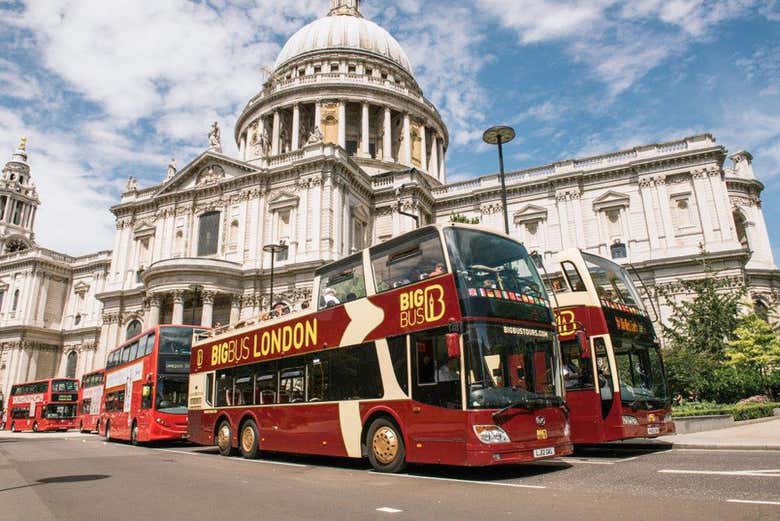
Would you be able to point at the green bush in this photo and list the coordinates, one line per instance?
(729, 384)
(741, 412)
(751, 412)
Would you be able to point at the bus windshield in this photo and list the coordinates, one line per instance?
(59, 386)
(612, 282)
(175, 340)
(489, 261)
(510, 365)
(172, 394)
(641, 373)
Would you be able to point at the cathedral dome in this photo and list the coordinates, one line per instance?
(344, 32)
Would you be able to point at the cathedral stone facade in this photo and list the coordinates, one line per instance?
(340, 150)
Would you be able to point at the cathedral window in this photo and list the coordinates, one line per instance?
(369, 71)
(3, 201)
(2, 294)
(17, 213)
(70, 367)
(618, 250)
(208, 234)
(133, 328)
(352, 69)
(178, 244)
(317, 69)
(16, 301)
(301, 72)
(282, 235)
(352, 147)
(683, 217)
(614, 225)
(233, 235)
(77, 319)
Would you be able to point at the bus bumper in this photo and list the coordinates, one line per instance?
(167, 431)
(508, 455)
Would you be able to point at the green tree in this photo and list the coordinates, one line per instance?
(462, 219)
(756, 346)
(699, 330)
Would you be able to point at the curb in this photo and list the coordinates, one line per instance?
(713, 446)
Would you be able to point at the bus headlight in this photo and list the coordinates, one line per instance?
(630, 420)
(567, 429)
(668, 418)
(162, 422)
(491, 434)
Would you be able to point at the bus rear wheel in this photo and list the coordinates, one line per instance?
(108, 431)
(35, 426)
(225, 438)
(249, 440)
(134, 435)
(386, 449)
(13, 427)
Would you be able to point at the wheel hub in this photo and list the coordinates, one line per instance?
(385, 445)
(223, 438)
(248, 439)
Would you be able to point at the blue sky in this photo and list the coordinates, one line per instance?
(110, 89)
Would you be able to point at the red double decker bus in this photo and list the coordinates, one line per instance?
(90, 400)
(613, 371)
(437, 346)
(145, 392)
(44, 405)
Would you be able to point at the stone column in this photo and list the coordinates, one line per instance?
(343, 124)
(423, 149)
(443, 164)
(364, 130)
(235, 309)
(645, 189)
(387, 138)
(700, 188)
(318, 115)
(32, 369)
(433, 169)
(406, 145)
(178, 307)
(666, 213)
(275, 134)
(722, 205)
(296, 127)
(207, 316)
(242, 148)
(154, 310)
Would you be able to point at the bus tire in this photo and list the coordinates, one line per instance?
(248, 440)
(386, 449)
(35, 426)
(108, 431)
(134, 435)
(224, 438)
(13, 426)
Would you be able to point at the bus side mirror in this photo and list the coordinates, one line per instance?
(146, 390)
(453, 345)
(582, 341)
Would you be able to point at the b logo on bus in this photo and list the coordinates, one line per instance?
(199, 358)
(566, 322)
(422, 305)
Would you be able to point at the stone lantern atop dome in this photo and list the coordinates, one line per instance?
(18, 202)
(344, 80)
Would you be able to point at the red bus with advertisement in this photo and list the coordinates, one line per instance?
(90, 400)
(613, 371)
(43, 405)
(437, 346)
(145, 390)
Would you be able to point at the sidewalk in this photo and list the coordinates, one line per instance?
(763, 435)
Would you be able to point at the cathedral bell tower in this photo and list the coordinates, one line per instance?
(18, 203)
(344, 8)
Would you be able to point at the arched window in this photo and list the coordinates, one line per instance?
(133, 328)
(178, 244)
(233, 235)
(761, 309)
(739, 226)
(70, 369)
(16, 301)
(618, 250)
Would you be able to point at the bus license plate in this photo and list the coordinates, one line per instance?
(653, 429)
(547, 451)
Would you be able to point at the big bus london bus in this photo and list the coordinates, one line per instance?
(43, 405)
(437, 346)
(90, 400)
(145, 390)
(613, 371)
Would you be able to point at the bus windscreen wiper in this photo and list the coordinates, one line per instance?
(530, 404)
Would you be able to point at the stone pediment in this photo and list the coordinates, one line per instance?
(144, 229)
(81, 288)
(207, 169)
(282, 199)
(611, 199)
(530, 213)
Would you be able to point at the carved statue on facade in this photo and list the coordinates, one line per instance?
(132, 184)
(316, 136)
(215, 138)
(265, 142)
(171, 169)
(284, 145)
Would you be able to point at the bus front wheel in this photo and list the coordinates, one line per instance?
(225, 438)
(13, 427)
(108, 431)
(249, 440)
(35, 426)
(134, 435)
(386, 450)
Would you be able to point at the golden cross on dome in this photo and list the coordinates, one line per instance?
(23, 143)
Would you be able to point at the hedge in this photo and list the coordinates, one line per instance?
(740, 412)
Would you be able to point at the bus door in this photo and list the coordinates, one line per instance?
(604, 373)
(437, 425)
(582, 395)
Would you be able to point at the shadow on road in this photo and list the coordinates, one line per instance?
(59, 479)
(614, 451)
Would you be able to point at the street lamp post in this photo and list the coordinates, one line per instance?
(401, 212)
(273, 249)
(498, 136)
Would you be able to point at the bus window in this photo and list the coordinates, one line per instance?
(225, 388)
(573, 276)
(577, 372)
(148, 344)
(317, 375)
(342, 282)
(398, 357)
(354, 373)
(265, 385)
(244, 389)
(435, 374)
(175, 340)
(134, 350)
(415, 258)
(125, 355)
(291, 385)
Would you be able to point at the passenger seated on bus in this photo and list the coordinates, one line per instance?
(330, 298)
(350, 297)
(438, 269)
(448, 371)
(280, 308)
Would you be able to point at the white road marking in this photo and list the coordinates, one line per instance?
(389, 510)
(762, 473)
(750, 451)
(750, 502)
(265, 462)
(595, 461)
(453, 480)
